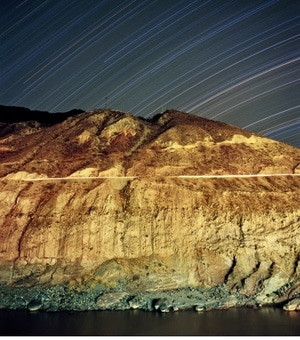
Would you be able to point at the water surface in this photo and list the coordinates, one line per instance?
(236, 321)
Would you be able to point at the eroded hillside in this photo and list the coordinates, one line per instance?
(107, 197)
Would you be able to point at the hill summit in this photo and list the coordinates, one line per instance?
(104, 210)
(172, 143)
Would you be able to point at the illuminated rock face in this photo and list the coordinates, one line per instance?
(101, 196)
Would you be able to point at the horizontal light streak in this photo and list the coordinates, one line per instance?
(71, 178)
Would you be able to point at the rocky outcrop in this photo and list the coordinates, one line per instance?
(109, 203)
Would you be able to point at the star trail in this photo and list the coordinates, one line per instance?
(233, 61)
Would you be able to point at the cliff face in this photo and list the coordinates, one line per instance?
(108, 197)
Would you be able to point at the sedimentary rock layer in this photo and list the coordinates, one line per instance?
(147, 206)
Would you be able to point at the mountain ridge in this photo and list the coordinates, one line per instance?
(16, 114)
(172, 141)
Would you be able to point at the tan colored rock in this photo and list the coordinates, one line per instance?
(102, 195)
(110, 299)
(293, 305)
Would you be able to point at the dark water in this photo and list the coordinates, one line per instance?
(238, 321)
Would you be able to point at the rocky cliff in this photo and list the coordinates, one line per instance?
(127, 209)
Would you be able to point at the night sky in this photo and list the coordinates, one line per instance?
(233, 61)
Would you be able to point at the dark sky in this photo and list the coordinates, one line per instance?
(232, 61)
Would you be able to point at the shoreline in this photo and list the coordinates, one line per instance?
(66, 298)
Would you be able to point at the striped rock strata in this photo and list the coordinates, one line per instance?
(154, 204)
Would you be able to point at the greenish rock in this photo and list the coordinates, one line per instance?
(35, 305)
